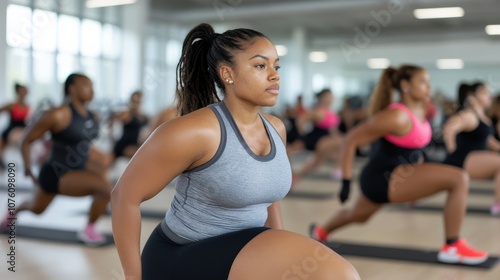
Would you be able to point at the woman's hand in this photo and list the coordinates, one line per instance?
(29, 173)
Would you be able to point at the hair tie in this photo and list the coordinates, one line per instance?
(210, 40)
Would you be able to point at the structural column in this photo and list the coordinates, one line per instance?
(3, 51)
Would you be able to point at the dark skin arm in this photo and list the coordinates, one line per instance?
(7, 107)
(173, 148)
(53, 120)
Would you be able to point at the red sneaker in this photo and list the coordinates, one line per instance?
(318, 233)
(461, 252)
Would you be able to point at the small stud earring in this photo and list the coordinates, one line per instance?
(231, 82)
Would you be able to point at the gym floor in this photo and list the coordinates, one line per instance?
(392, 226)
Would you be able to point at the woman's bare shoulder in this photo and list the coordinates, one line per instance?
(198, 124)
(277, 123)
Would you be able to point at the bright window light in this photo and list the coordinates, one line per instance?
(282, 50)
(451, 12)
(493, 29)
(107, 3)
(318, 56)
(453, 63)
(19, 26)
(68, 39)
(378, 63)
(173, 52)
(91, 39)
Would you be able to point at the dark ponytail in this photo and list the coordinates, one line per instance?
(391, 79)
(382, 95)
(203, 52)
(70, 81)
(476, 86)
(464, 90)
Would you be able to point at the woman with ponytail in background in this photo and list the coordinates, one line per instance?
(323, 140)
(19, 111)
(395, 172)
(224, 221)
(72, 127)
(469, 138)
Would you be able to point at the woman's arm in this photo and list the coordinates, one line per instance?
(493, 144)
(173, 148)
(274, 219)
(37, 129)
(310, 116)
(6, 107)
(463, 121)
(394, 122)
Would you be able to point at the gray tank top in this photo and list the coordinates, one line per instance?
(232, 190)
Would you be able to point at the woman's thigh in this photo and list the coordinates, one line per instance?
(278, 254)
(482, 165)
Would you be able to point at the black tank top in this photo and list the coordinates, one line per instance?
(494, 124)
(132, 128)
(468, 141)
(71, 146)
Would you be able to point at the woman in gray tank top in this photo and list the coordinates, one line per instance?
(232, 168)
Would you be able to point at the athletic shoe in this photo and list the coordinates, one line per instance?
(461, 252)
(315, 233)
(336, 174)
(91, 237)
(495, 209)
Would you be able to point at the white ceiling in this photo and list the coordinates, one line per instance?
(329, 23)
(327, 19)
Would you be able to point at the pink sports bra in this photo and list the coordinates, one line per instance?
(330, 119)
(419, 136)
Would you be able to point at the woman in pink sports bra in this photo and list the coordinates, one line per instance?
(394, 172)
(323, 140)
(19, 111)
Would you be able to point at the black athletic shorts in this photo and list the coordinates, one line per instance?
(209, 258)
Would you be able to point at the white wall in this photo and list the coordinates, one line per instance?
(481, 60)
(135, 18)
(3, 51)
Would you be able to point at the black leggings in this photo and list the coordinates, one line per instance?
(209, 259)
(12, 125)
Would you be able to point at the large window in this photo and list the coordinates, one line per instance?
(44, 31)
(68, 40)
(91, 38)
(48, 40)
(19, 27)
(163, 47)
(18, 61)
